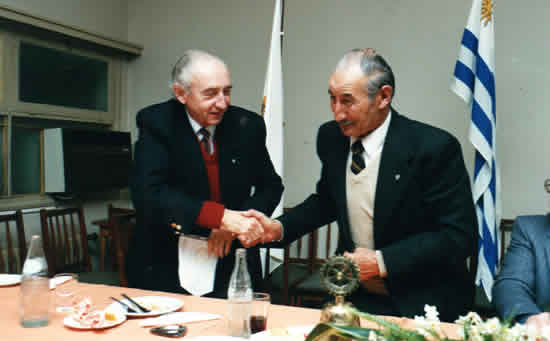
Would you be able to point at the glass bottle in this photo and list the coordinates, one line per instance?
(239, 295)
(35, 287)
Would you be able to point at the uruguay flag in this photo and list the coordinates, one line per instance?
(474, 82)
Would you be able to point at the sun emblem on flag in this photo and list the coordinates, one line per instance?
(487, 11)
(263, 105)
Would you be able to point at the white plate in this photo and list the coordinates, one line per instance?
(292, 333)
(69, 321)
(7, 279)
(158, 304)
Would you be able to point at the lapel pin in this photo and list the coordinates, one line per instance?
(233, 161)
(397, 176)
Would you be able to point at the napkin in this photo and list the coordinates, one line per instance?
(197, 268)
(58, 280)
(178, 318)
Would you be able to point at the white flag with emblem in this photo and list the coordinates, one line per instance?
(474, 82)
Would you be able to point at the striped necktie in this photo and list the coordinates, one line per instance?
(205, 140)
(357, 161)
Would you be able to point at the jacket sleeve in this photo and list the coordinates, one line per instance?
(514, 289)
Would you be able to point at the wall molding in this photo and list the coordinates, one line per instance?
(17, 16)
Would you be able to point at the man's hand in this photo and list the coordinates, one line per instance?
(219, 242)
(247, 228)
(272, 228)
(366, 261)
(539, 321)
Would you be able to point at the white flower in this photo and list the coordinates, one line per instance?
(545, 333)
(431, 313)
(471, 317)
(491, 326)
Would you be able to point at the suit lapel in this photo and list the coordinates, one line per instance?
(392, 173)
(225, 145)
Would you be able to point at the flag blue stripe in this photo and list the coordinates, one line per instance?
(470, 41)
(482, 122)
(486, 77)
(465, 74)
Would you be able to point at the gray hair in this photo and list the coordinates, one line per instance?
(371, 65)
(182, 72)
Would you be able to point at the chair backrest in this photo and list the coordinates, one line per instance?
(65, 240)
(122, 224)
(14, 250)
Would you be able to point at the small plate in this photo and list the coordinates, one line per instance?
(69, 321)
(157, 304)
(9, 279)
(290, 333)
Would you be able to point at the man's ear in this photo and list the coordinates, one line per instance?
(179, 93)
(384, 96)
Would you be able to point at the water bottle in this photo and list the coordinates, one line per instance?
(35, 287)
(239, 295)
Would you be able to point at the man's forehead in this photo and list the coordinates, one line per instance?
(345, 81)
(211, 78)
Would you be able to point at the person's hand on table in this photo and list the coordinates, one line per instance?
(366, 262)
(538, 321)
(248, 229)
(219, 242)
(272, 228)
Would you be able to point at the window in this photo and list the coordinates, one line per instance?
(47, 84)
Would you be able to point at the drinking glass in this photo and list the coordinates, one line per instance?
(259, 311)
(66, 286)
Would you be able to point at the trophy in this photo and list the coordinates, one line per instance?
(340, 276)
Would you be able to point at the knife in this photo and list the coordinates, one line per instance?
(143, 309)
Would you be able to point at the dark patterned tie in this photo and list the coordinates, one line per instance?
(205, 140)
(357, 161)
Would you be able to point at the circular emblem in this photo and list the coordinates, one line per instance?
(340, 275)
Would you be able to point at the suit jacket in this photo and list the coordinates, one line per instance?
(170, 184)
(424, 218)
(522, 286)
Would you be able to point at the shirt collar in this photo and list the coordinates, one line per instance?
(196, 126)
(374, 141)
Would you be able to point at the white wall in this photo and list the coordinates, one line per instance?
(420, 40)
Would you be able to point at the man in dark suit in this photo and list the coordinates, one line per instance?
(400, 193)
(198, 160)
(522, 287)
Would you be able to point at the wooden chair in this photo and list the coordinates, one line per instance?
(301, 262)
(105, 232)
(66, 245)
(122, 224)
(15, 251)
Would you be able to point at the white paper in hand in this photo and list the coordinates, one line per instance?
(197, 268)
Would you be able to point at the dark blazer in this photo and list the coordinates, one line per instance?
(170, 184)
(424, 220)
(522, 286)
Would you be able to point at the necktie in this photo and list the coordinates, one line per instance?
(205, 141)
(357, 161)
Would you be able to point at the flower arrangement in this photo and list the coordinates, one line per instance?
(428, 328)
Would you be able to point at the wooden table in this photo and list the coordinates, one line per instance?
(279, 317)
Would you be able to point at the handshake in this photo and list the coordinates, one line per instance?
(251, 227)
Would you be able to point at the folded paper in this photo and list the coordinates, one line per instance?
(197, 268)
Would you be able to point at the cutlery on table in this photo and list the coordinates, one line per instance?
(142, 308)
(173, 330)
(128, 308)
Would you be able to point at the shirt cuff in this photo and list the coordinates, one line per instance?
(381, 264)
(210, 215)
